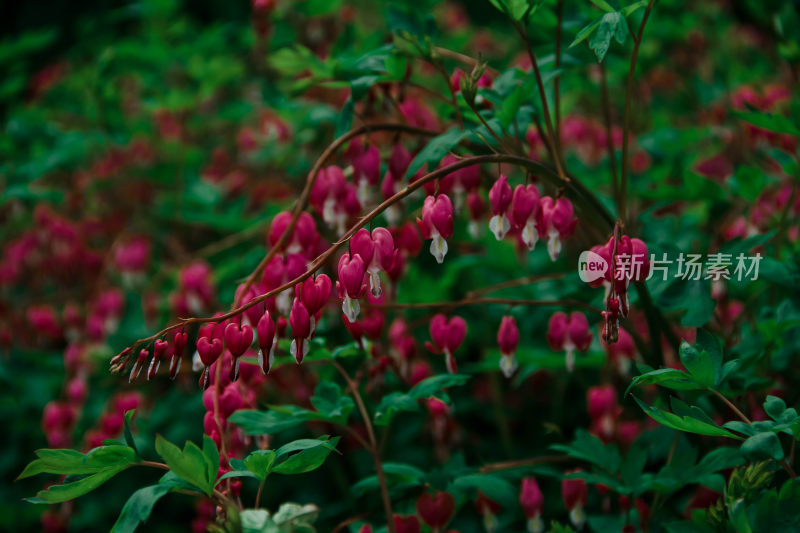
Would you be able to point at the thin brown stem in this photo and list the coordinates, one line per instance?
(258, 494)
(612, 157)
(467, 60)
(487, 301)
(557, 79)
(626, 119)
(372, 448)
(543, 97)
(732, 407)
(582, 195)
(509, 465)
(489, 129)
(302, 201)
(526, 280)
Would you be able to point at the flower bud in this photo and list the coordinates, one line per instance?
(508, 340)
(531, 501)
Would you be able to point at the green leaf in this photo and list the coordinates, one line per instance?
(74, 489)
(127, 432)
(435, 150)
(211, 455)
(71, 462)
(612, 25)
(190, 464)
(698, 363)
(774, 407)
(585, 32)
(345, 119)
(587, 447)
(671, 378)
(395, 402)
(331, 403)
(605, 6)
(764, 445)
(396, 474)
(494, 486)
(769, 122)
(139, 506)
(632, 8)
(311, 455)
(260, 463)
(277, 419)
(685, 423)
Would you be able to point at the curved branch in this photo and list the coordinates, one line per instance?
(302, 201)
(119, 361)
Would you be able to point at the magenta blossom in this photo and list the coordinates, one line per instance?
(352, 284)
(447, 336)
(556, 222)
(377, 251)
(531, 501)
(569, 333)
(500, 199)
(437, 224)
(267, 340)
(508, 340)
(300, 321)
(524, 210)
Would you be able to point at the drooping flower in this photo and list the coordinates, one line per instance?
(406, 523)
(377, 251)
(366, 172)
(178, 347)
(237, 339)
(267, 340)
(351, 284)
(488, 509)
(447, 336)
(531, 501)
(500, 199)
(556, 222)
(437, 224)
(300, 321)
(508, 340)
(569, 333)
(601, 403)
(436, 509)
(314, 293)
(524, 211)
(573, 491)
(160, 348)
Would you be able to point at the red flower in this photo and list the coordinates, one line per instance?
(436, 509)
